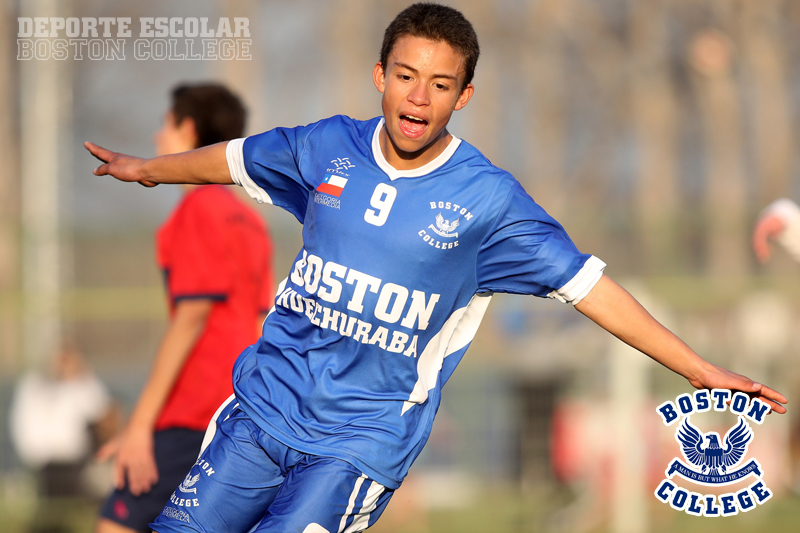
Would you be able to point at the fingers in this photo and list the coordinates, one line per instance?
(772, 398)
(142, 477)
(119, 475)
(98, 151)
(721, 378)
(107, 451)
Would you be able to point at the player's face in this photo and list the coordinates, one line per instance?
(175, 138)
(421, 88)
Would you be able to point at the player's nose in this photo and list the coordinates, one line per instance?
(419, 95)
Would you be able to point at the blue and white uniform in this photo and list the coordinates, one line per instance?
(389, 289)
(396, 272)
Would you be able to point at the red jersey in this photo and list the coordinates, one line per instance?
(214, 247)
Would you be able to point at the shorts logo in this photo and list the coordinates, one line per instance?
(710, 460)
(188, 482)
(176, 514)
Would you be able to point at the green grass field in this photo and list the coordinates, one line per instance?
(498, 511)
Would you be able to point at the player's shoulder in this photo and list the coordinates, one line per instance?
(343, 124)
(476, 166)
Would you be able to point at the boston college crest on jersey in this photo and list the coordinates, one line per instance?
(448, 218)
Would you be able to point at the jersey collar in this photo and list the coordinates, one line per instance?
(427, 168)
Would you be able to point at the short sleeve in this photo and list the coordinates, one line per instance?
(198, 265)
(267, 166)
(527, 252)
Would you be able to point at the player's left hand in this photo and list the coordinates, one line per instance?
(716, 377)
(121, 166)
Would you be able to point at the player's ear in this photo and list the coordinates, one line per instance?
(379, 77)
(188, 131)
(464, 97)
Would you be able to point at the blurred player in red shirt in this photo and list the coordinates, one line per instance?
(216, 257)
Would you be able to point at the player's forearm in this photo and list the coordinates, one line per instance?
(615, 310)
(181, 336)
(202, 166)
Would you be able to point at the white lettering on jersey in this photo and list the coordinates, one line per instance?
(350, 326)
(382, 310)
(450, 206)
(323, 279)
(362, 282)
(331, 291)
(420, 310)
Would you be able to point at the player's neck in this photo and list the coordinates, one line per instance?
(400, 160)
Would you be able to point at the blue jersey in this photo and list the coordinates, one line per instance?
(396, 272)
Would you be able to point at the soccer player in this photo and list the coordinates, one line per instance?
(216, 257)
(408, 231)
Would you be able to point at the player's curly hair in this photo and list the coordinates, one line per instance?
(218, 114)
(437, 23)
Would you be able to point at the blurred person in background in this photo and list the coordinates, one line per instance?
(216, 256)
(779, 221)
(57, 420)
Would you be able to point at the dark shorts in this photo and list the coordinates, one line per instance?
(176, 451)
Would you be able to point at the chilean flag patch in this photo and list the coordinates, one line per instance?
(332, 185)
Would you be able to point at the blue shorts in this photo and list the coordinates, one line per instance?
(247, 481)
(175, 451)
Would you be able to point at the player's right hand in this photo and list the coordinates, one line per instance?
(768, 227)
(121, 166)
(135, 460)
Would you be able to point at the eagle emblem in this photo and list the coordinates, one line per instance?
(445, 228)
(188, 482)
(713, 458)
(445, 225)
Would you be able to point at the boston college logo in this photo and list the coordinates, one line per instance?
(711, 460)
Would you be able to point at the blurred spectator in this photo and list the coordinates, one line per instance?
(54, 416)
(216, 256)
(779, 221)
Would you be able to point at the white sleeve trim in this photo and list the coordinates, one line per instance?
(235, 156)
(789, 213)
(579, 286)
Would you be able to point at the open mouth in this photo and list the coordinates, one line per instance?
(412, 126)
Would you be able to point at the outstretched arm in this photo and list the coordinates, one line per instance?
(616, 311)
(202, 166)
